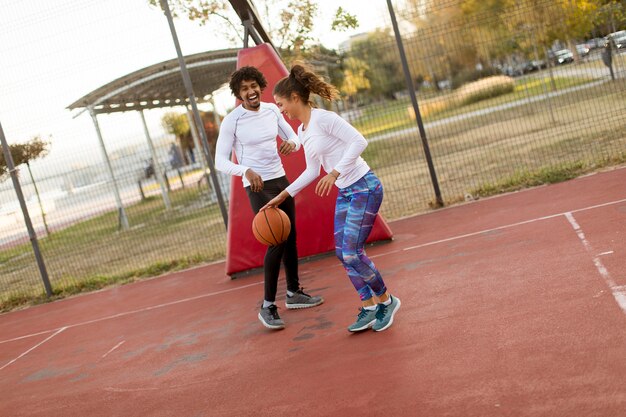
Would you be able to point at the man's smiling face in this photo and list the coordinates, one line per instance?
(250, 94)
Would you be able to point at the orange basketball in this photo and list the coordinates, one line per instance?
(271, 226)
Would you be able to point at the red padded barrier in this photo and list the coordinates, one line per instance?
(314, 215)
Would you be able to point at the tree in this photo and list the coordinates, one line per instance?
(178, 125)
(25, 153)
(355, 81)
(610, 15)
(289, 22)
(380, 54)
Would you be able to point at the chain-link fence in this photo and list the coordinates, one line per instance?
(508, 97)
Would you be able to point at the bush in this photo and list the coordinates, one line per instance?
(467, 76)
(484, 89)
(468, 94)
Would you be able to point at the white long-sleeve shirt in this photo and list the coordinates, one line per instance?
(332, 143)
(252, 136)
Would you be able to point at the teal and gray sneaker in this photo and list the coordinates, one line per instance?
(385, 313)
(301, 300)
(270, 318)
(364, 320)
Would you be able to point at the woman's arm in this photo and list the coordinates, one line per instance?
(339, 128)
(311, 172)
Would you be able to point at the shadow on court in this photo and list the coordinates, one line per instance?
(511, 306)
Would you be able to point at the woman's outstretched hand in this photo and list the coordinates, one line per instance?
(276, 201)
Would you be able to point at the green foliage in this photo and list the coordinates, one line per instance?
(344, 20)
(610, 16)
(24, 153)
(380, 55)
(288, 22)
(355, 79)
(175, 123)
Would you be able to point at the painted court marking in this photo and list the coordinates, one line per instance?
(141, 310)
(112, 349)
(508, 226)
(619, 292)
(33, 348)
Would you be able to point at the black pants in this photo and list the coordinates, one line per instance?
(287, 251)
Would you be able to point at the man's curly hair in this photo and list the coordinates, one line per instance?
(246, 74)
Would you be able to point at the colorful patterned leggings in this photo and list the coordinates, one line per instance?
(355, 212)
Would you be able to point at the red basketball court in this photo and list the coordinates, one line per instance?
(511, 306)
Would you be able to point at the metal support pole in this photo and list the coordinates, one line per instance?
(196, 142)
(157, 167)
(29, 225)
(192, 100)
(216, 116)
(249, 30)
(118, 199)
(418, 116)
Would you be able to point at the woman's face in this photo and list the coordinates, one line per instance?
(288, 106)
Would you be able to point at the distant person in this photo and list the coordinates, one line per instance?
(332, 143)
(176, 160)
(250, 131)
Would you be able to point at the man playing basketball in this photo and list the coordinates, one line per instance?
(250, 131)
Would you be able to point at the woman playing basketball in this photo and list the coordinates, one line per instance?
(332, 143)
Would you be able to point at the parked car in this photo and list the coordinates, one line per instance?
(534, 65)
(595, 43)
(618, 38)
(562, 56)
(582, 50)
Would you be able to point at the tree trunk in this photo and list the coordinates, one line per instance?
(43, 213)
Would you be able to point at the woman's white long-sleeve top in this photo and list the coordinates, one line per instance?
(332, 143)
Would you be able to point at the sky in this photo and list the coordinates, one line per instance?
(52, 53)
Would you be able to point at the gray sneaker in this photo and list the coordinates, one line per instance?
(364, 320)
(301, 300)
(384, 314)
(270, 318)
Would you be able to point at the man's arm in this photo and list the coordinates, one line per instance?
(224, 147)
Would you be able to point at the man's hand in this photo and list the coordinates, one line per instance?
(256, 183)
(286, 147)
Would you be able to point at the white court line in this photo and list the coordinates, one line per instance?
(34, 347)
(24, 337)
(112, 349)
(126, 313)
(508, 226)
(373, 256)
(619, 292)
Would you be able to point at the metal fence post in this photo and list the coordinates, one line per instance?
(29, 225)
(192, 100)
(418, 116)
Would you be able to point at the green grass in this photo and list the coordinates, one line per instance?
(546, 175)
(94, 252)
(391, 116)
(96, 282)
(473, 153)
